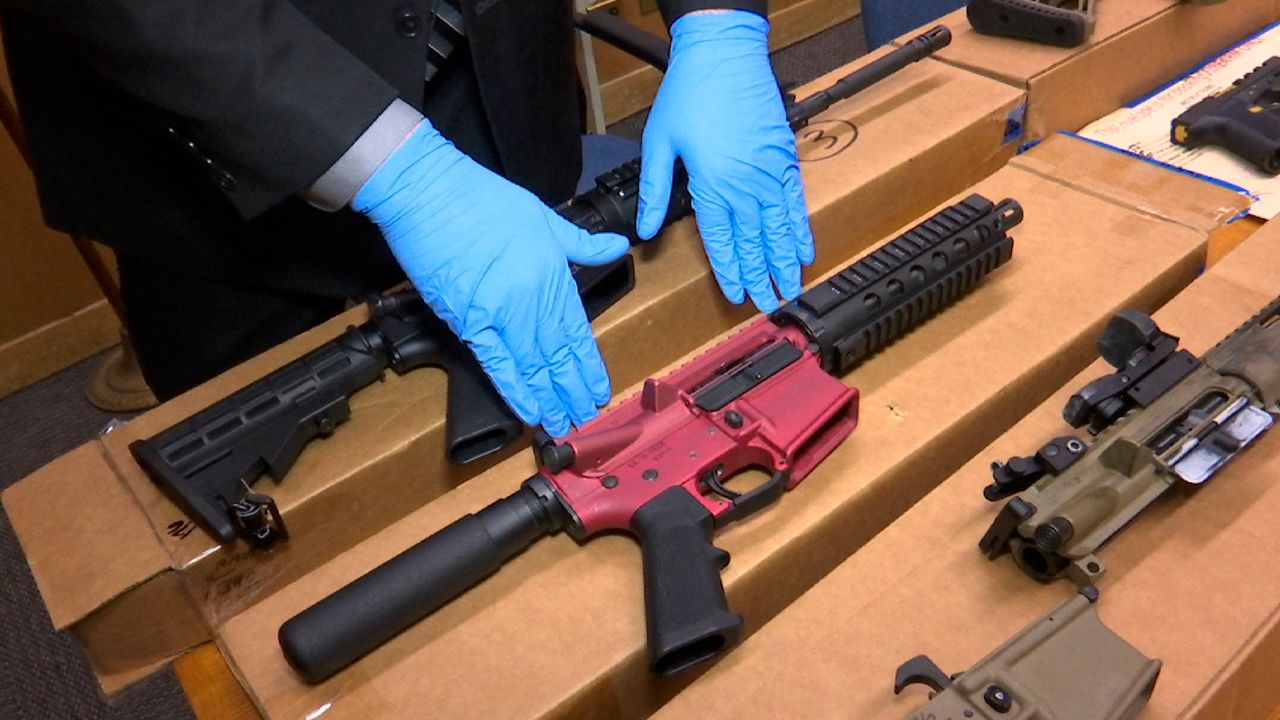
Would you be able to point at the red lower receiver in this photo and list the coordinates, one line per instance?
(658, 464)
(759, 399)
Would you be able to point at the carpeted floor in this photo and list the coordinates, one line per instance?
(43, 674)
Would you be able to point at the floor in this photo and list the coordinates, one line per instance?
(43, 674)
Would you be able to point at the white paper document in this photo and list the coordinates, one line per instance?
(1143, 128)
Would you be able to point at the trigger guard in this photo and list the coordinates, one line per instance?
(742, 505)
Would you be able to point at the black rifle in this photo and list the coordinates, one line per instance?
(208, 462)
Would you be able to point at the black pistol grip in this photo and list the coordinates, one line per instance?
(478, 421)
(600, 286)
(1028, 20)
(1245, 136)
(352, 622)
(688, 616)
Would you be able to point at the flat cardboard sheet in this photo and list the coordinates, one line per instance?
(1192, 581)
(560, 631)
(1137, 46)
(1143, 127)
(870, 163)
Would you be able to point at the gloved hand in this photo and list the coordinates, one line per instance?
(720, 111)
(492, 261)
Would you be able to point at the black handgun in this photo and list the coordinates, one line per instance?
(1244, 119)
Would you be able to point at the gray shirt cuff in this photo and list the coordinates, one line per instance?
(340, 183)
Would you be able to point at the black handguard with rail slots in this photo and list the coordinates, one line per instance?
(849, 316)
(349, 624)
(848, 333)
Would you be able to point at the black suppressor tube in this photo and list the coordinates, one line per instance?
(347, 625)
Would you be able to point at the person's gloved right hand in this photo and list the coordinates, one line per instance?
(492, 261)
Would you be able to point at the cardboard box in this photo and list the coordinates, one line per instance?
(560, 632)
(1137, 46)
(1192, 581)
(106, 547)
(1140, 185)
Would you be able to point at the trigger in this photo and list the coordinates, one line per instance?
(920, 670)
(743, 504)
(712, 480)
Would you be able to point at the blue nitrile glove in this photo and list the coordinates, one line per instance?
(493, 262)
(720, 111)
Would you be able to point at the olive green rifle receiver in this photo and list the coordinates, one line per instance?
(1163, 418)
(1067, 665)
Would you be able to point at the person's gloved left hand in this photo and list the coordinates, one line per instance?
(493, 262)
(720, 111)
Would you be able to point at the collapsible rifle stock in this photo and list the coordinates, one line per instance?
(658, 464)
(1164, 419)
(208, 463)
(1065, 23)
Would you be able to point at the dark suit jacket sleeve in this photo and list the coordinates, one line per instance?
(263, 96)
(673, 9)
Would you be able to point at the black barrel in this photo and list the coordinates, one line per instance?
(920, 47)
(352, 622)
